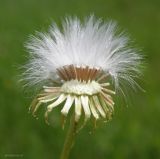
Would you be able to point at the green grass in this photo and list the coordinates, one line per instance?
(134, 131)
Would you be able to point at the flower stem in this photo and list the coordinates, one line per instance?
(70, 137)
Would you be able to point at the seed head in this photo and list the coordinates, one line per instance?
(81, 60)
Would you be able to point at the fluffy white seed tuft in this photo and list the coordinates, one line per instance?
(92, 43)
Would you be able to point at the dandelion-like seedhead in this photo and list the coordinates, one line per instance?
(81, 59)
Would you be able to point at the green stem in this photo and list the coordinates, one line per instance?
(69, 139)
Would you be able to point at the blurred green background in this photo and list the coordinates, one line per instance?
(134, 131)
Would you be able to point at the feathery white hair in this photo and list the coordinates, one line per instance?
(93, 43)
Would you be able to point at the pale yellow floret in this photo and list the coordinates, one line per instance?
(85, 105)
(60, 99)
(78, 108)
(93, 109)
(98, 106)
(67, 105)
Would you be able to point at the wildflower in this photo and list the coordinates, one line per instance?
(81, 61)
